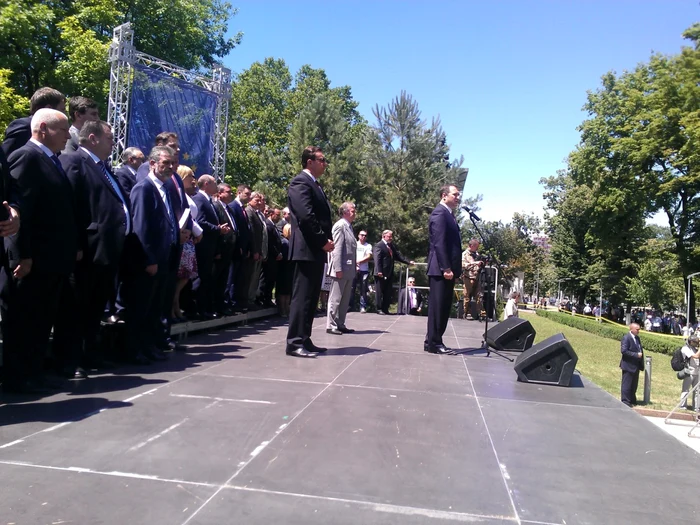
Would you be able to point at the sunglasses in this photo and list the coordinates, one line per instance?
(323, 159)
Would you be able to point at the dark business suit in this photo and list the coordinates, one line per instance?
(126, 178)
(224, 256)
(102, 224)
(402, 300)
(253, 267)
(153, 241)
(237, 289)
(47, 236)
(631, 364)
(384, 257)
(17, 135)
(268, 275)
(445, 253)
(206, 251)
(310, 215)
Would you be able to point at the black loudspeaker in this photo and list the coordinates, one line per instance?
(513, 334)
(551, 362)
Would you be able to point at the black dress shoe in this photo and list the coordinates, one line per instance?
(299, 352)
(156, 355)
(310, 347)
(334, 331)
(344, 330)
(426, 347)
(381, 313)
(439, 349)
(138, 359)
(75, 373)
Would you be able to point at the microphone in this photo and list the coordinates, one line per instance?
(468, 210)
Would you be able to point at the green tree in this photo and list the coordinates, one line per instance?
(12, 105)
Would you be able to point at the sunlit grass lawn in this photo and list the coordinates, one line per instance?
(599, 361)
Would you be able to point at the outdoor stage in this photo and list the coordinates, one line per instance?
(376, 431)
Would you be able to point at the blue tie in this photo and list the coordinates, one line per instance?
(171, 216)
(57, 162)
(112, 183)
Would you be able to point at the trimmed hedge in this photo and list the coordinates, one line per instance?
(617, 332)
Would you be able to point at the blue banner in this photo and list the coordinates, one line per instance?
(160, 103)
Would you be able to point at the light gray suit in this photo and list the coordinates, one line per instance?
(73, 143)
(342, 259)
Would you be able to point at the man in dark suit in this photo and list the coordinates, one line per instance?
(258, 245)
(444, 267)
(104, 220)
(43, 254)
(19, 131)
(631, 363)
(132, 159)
(227, 245)
(415, 299)
(151, 252)
(81, 109)
(207, 247)
(268, 275)
(237, 289)
(310, 243)
(385, 253)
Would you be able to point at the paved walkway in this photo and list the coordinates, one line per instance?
(375, 431)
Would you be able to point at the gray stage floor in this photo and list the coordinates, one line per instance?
(376, 431)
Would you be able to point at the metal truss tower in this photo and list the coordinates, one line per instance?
(123, 56)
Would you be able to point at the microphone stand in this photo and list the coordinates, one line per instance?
(487, 291)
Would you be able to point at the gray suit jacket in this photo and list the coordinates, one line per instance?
(73, 142)
(344, 256)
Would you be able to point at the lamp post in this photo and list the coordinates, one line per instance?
(559, 289)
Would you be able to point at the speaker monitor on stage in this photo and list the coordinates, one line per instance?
(550, 362)
(513, 334)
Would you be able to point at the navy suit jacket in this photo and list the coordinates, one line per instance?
(151, 226)
(209, 221)
(383, 260)
(101, 219)
(126, 179)
(310, 215)
(630, 362)
(243, 227)
(48, 227)
(17, 135)
(445, 252)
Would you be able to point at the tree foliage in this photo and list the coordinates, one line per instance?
(12, 105)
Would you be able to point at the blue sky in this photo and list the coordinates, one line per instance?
(507, 78)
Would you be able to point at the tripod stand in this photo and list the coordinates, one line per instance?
(488, 292)
(693, 393)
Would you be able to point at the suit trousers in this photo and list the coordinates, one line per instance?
(29, 307)
(439, 304)
(384, 289)
(268, 278)
(222, 267)
(205, 269)
(306, 289)
(144, 297)
(95, 285)
(630, 380)
(338, 302)
(253, 269)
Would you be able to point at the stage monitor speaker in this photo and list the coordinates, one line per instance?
(513, 334)
(550, 362)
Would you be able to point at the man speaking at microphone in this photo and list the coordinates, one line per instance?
(444, 266)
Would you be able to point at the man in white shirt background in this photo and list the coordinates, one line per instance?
(364, 255)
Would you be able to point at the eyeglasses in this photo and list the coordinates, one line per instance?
(322, 159)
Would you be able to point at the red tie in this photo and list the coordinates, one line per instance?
(391, 254)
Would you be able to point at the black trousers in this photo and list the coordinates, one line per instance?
(439, 304)
(268, 278)
(306, 289)
(384, 289)
(241, 285)
(144, 298)
(205, 269)
(222, 268)
(29, 308)
(95, 286)
(630, 381)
